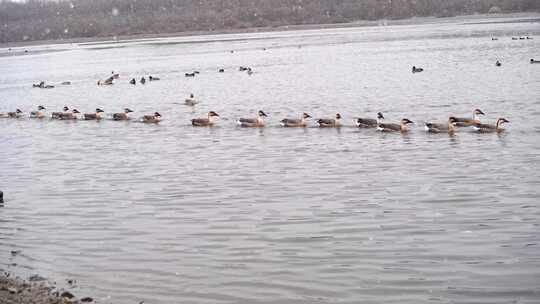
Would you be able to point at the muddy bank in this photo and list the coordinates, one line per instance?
(34, 290)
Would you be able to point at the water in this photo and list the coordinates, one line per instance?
(169, 213)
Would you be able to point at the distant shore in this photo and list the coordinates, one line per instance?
(527, 17)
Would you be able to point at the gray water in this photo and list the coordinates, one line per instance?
(170, 213)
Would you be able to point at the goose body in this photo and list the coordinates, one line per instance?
(467, 122)
(289, 122)
(498, 63)
(73, 115)
(534, 61)
(441, 127)
(154, 118)
(108, 81)
(205, 122)
(489, 128)
(369, 122)
(39, 113)
(56, 115)
(395, 127)
(152, 78)
(122, 116)
(252, 122)
(330, 122)
(17, 114)
(94, 116)
(417, 70)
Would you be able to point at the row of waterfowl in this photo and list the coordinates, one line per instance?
(379, 122)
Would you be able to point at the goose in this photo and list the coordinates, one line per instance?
(108, 81)
(489, 128)
(288, 122)
(66, 83)
(122, 116)
(529, 38)
(221, 71)
(94, 116)
(494, 38)
(498, 63)
(467, 122)
(330, 122)
(242, 69)
(441, 127)
(394, 127)
(17, 114)
(154, 118)
(56, 115)
(143, 80)
(205, 122)
(522, 38)
(417, 70)
(190, 74)
(534, 61)
(252, 122)
(73, 115)
(39, 113)
(115, 75)
(133, 81)
(152, 78)
(369, 122)
(514, 38)
(41, 84)
(191, 101)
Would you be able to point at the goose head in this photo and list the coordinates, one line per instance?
(502, 121)
(127, 110)
(40, 108)
(157, 115)
(262, 114)
(18, 111)
(406, 121)
(65, 109)
(452, 120)
(380, 115)
(338, 116)
(75, 111)
(213, 114)
(98, 110)
(306, 116)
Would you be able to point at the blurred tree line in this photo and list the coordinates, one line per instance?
(42, 19)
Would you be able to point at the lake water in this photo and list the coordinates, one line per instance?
(170, 213)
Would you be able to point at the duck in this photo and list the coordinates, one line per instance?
(66, 83)
(330, 122)
(133, 81)
(17, 114)
(143, 80)
(441, 127)
(242, 69)
(205, 122)
(108, 81)
(417, 70)
(73, 115)
(154, 118)
(191, 101)
(394, 127)
(39, 113)
(534, 61)
(514, 38)
(190, 74)
(152, 78)
(250, 71)
(122, 116)
(94, 116)
(489, 128)
(467, 122)
(221, 70)
(56, 115)
(288, 122)
(369, 122)
(494, 38)
(498, 63)
(252, 122)
(115, 75)
(529, 38)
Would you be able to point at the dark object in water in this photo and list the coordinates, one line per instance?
(87, 299)
(152, 78)
(534, 61)
(15, 252)
(221, 70)
(67, 294)
(133, 81)
(190, 74)
(66, 83)
(143, 80)
(498, 63)
(1, 197)
(417, 70)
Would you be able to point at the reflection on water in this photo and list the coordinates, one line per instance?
(170, 213)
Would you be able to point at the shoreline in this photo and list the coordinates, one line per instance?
(527, 16)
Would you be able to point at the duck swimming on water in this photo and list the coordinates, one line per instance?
(56, 115)
(330, 122)
(498, 63)
(369, 122)
(205, 122)
(289, 122)
(394, 127)
(417, 70)
(74, 115)
(39, 113)
(442, 127)
(17, 114)
(154, 118)
(152, 78)
(122, 116)
(94, 116)
(191, 101)
(252, 122)
(467, 122)
(534, 61)
(489, 128)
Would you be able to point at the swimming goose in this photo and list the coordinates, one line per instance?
(205, 122)
(441, 127)
(115, 75)
(288, 122)
(369, 122)
(330, 122)
(467, 122)
(252, 122)
(70, 116)
(94, 116)
(190, 74)
(534, 61)
(17, 114)
(191, 101)
(56, 115)
(133, 81)
(498, 63)
(108, 81)
(152, 78)
(122, 116)
(394, 127)
(489, 128)
(417, 70)
(143, 80)
(221, 71)
(514, 38)
(154, 118)
(39, 113)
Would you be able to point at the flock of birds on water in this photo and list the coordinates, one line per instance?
(378, 122)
